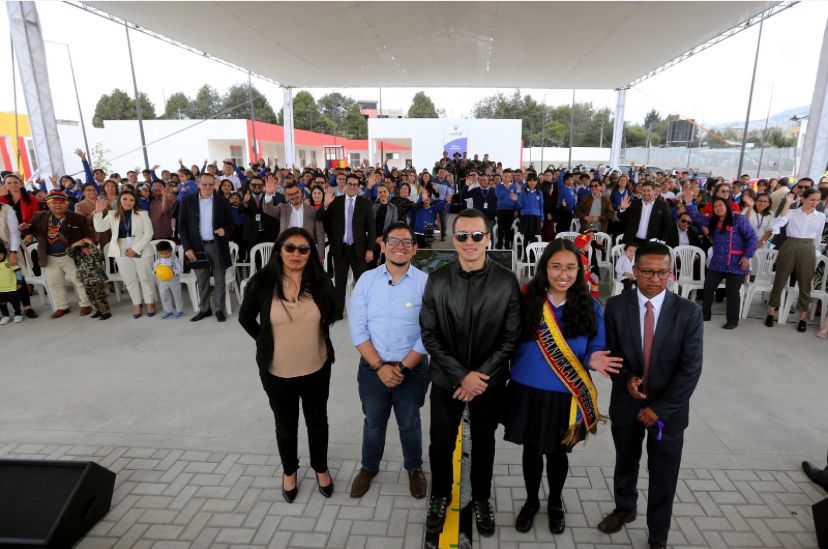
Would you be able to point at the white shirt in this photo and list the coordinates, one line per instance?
(296, 216)
(205, 219)
(802, 225)
(761, 224)
(684, 238)
(669, 195)
(234, 177)
(657, 302)
(646, 211)
(623, 265)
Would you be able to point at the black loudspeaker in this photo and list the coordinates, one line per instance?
(821, 522)
(51, 503)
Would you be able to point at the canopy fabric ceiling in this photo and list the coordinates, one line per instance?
(553, 45)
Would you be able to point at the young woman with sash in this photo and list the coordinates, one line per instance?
(552, 400)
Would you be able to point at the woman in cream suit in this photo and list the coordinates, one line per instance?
(131, 248)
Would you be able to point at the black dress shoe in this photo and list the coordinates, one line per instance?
(96, 314)
(729, 325)
(105, 316)
(818, 476)
(201, 314)
(657, 546)
(484, 516)
(326, 491)
(769, 321)
(30, 313)
(557, 522)
(615, 521)
(290, 495)
(802, 326)
(220, 316)
(436, 515)
(524, 520)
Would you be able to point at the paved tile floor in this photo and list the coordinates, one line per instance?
(177, 411)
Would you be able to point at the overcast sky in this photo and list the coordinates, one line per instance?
(711, 87)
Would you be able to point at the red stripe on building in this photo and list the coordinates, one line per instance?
(4, 151)
(24, 155)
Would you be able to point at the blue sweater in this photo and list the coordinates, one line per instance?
(504, 197)
(617, 196)
(531, 203)
(421, 215)
(529, 367)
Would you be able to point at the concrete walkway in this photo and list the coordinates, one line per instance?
(177, 410)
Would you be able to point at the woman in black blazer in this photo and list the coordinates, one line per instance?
(290, 304)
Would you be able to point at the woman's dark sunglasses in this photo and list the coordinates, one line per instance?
(462, 236)
(303, 249)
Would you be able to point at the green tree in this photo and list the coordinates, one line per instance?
(237, 105)
(337, 108)
(651, 118)
(206, 103)
(306, 114)
(356, 125)
(422, 107)
(120, 106)
(178, 106)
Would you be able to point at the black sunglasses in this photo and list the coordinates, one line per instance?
(462, 236)
(303, 249)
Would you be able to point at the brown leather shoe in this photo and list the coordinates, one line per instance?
(85, 311)
(362, 482)
(615, 521)
(417, 483)
(60, 312)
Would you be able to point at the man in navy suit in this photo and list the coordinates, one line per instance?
(659, 337)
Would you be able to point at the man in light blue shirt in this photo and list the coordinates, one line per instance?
(383, 319)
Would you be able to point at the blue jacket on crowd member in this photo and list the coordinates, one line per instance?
(143, 204)
(617, 196)
(582, 192)
(504, 196)
(529, 366)
(187, 188)
(420, 215)
(90, 178)
(565, 194)
(730, 244)
(530, 202)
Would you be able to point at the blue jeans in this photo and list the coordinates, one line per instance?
(377, 400)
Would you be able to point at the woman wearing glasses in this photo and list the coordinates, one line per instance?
(759, 214)
(288, 309)
(734, 243)
(552, 400)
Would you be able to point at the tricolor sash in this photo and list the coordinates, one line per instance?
(562, 361)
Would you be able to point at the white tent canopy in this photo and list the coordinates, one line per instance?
(553, 45)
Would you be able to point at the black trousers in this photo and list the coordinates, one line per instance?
(530, 227)
(663, 464)
(284, 394)
(347, 260)
(732, 284)
(563, 221)
(446, 415)
(557, 468)
(505, 235)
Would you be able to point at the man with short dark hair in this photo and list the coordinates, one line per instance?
(659, 337)
(297, 214)
(470, 320)
(383, 319)
(648, 218)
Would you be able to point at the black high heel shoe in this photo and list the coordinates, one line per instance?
(326, 491)
(290, 495)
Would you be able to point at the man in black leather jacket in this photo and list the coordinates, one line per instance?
(469, 324)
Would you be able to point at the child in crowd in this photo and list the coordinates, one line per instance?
(169, 286)
(11, 279)
(92, 273)
(144, 193)
(424, 217)
(624, 267)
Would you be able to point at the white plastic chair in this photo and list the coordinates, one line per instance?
(619, 239)
(616, 252)
(533, 253)
(604, 255)
(818, 293)
(569, 235)
(188, 280)
(112, 273)
(39, 282)
(517, 249)
(763, 271)
(575, 226)
(684, 265)
(262, 253)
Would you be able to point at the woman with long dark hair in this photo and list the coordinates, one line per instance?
(24, 205)
(734, 243)
(288, 309)
(562, 339)
(759, 214)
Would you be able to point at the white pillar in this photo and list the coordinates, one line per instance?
(290, 138)
(27, 39)
(618, 128)
(815, 147)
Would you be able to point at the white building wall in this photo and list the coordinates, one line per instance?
(501, 139)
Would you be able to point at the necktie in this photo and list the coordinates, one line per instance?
(349, 217)
(649, 331)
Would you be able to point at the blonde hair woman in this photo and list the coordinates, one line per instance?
(131, 236)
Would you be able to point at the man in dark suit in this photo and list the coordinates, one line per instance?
(258, 227)
(206, 221)
(483, 197)
(349, 222)
(682, 233)
(659, 337)
(647, 218)
(298, 214)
